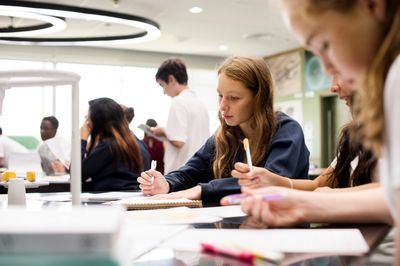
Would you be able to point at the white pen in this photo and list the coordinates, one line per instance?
(153, 167)
(247, 149)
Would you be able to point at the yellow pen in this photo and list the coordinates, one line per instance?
(248, 155)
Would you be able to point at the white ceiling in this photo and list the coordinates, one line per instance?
(222, 22)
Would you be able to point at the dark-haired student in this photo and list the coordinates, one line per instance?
(113, 158)
(245, 90)
(354, 167)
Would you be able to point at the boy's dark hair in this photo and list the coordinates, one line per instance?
(175, 67)
(53, 121)
(151, 122)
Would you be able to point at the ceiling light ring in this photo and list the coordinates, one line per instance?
(78, 39)
(27, 28)
(150, 27)
(51, 24)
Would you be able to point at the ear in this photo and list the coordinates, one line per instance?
(171, 78)
(376, 8)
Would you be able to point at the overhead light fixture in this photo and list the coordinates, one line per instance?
(151, 29)
(51, 24)
(196, 10)
(223, 47)
(259, 36)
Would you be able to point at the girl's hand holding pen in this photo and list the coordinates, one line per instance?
(158, 186)
(258, 177)
(286, 210)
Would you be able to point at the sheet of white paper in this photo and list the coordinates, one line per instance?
(110, 196)
(138, 239)
(180, 215)
(85, 219)
(56, 178)
(61, 148)
(330, 241)
(23, 162)
(222, 211)
(146, 130)
(107, 196)
(28, 184)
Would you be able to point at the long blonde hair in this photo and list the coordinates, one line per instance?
(368, 106)
(255, 75)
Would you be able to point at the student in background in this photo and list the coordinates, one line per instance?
(112, 159)
(353, 168)
(51, 163)
(187, 126)
(8, 146)
(155, 147)
(360, 42)
(245, 90)
(129, 113)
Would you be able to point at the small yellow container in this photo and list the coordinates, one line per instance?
(31, 176)
(8, 175)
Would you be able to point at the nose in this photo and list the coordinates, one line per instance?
(335, 88)
(223, 105)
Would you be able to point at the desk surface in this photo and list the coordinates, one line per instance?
(381, 245)
(380, 242)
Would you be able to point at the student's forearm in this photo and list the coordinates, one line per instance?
(311, 185)
(177, 144)
(366, 206)
(305, 184)
(300, 184)
(356, 188)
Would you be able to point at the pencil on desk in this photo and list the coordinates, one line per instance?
(248, 155)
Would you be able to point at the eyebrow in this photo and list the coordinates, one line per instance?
(228, 92)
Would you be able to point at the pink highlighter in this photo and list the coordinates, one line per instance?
(227, 251)
(235, 199)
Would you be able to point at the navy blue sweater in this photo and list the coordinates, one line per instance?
(287, 156)
(106, 175)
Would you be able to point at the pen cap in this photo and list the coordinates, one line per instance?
(246, 144)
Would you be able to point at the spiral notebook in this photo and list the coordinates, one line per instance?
(147, 203)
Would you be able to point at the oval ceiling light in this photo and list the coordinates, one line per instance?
(223, 47)
(195, 10)
(151, 29)
(51, 25)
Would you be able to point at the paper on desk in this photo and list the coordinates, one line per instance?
(21, 162)
(136, 239)
(221, 211)
(110, 196)
(61, 179)
(180, 215)
(106, 196)
(330, 241)
(28, 184)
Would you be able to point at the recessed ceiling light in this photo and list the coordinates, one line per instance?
(196, 10)
(223, 47)
(259, 36)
